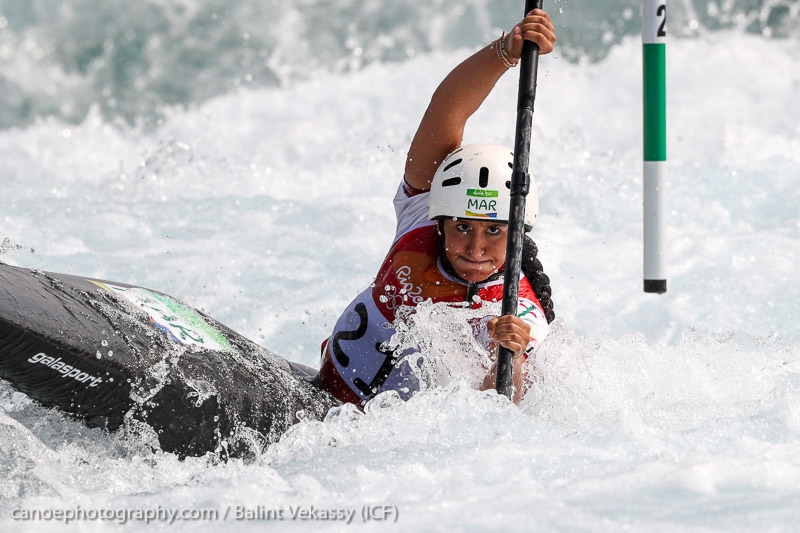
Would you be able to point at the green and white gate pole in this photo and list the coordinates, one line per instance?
(654, 36)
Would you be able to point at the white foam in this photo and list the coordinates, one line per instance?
(271, 209)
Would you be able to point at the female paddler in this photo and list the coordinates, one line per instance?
(452, 212)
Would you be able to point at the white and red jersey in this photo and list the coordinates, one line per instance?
(355, 364)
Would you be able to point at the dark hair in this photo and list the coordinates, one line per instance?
(540, 282)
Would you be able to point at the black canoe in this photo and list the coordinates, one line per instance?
(108, 352)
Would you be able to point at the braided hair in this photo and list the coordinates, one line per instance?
(540, 282)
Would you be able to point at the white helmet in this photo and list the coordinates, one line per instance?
(474, 182)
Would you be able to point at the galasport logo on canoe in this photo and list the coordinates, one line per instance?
(68, 371)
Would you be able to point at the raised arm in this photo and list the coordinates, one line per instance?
(462, 92)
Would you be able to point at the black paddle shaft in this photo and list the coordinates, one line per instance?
(520, 185)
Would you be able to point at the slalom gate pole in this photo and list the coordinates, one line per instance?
(520, 185)
(654, 34)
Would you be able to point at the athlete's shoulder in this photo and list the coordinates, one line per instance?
(411, 209)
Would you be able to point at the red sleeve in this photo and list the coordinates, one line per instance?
(411, 191)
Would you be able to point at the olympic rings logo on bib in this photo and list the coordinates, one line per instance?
(408, 291)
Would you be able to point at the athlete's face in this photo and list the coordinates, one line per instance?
(475, 248)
